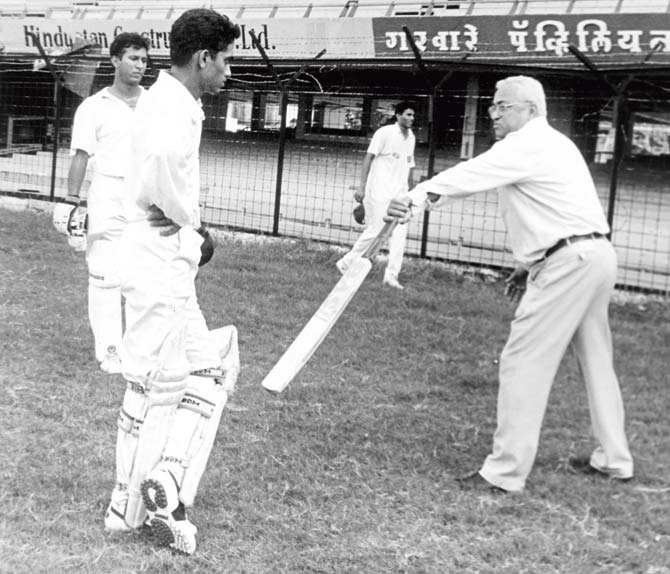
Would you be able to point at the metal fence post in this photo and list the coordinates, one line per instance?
(283, 86)
(434, 89)
(283, 105)
(58, 97)
(618, 111)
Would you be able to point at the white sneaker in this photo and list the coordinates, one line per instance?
(175, 530)
(114, 516)
(112, 362)
(160, 494)
(392, 281)
(160, 491)
(341, 266)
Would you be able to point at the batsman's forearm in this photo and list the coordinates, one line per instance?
(365, 171)
(76, 174)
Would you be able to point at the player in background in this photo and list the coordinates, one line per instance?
(564, 280)
(101, 139)
(386, 173)
(178, 372)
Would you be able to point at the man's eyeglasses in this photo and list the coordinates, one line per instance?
(500, 109)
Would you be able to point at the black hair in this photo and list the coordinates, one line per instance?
(400, 107)
(200, 29)
(127, 40)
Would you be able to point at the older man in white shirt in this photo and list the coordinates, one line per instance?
(565, 280)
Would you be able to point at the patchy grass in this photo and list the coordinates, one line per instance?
(351, 469)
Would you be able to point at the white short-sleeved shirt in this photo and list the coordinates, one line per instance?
(102, 127)
(165, 162)
(394, 157)
(546, 190)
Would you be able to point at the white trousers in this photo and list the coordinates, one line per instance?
(566, 301)
(158, 275)
(157, 278)
(106, 221)
(374, 214)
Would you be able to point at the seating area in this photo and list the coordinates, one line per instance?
(253, 9)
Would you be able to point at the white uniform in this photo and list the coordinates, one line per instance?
(166, 339)
(101, 128)
(158, 272)
(388, 178)
(547, 194)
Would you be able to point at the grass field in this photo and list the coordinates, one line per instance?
(352, 469)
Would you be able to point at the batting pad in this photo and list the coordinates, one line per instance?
(219, 389)
(164, 387)
(226, 341)
(131, 417)
(193, 431)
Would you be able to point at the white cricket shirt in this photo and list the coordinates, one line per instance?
(394, 157)
(165, 162)
(102, 127)
(546, 190)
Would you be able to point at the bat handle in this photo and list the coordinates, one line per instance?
(384, 234)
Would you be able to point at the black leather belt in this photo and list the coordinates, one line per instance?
(572, 239)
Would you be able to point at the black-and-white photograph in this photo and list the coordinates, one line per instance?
(335, 286)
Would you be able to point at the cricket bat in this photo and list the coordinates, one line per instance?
(316, 329)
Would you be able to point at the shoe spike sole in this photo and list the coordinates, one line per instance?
(165, 536)
(162, 532)
(153, 495)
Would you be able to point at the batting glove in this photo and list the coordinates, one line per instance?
(206, 247)
(359, 214)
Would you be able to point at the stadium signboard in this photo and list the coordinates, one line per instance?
(617, 39)
(608, 38)
(281, 38)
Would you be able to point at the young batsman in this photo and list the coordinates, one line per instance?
(178, 372)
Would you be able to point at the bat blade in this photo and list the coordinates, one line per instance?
(316, 329)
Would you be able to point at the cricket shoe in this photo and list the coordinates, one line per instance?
(114, 515)
(583, 465)
(160, 491)
(160, 494)
(174, 530)
(392, 281)
(474, 481)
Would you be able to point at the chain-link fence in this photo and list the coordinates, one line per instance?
(293, 173)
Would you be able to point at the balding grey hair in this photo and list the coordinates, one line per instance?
(527, 89)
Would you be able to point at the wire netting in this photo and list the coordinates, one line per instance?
(295, 176)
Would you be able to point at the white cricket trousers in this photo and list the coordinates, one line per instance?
(157, 278)
(566, 301)
(106, 221)
(158, 275)
(374, 214)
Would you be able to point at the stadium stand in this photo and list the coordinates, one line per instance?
(326, 8)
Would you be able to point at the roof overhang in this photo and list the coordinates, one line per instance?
(616, 44)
